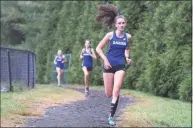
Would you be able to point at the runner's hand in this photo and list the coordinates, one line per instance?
(128, 60)
(107, 65)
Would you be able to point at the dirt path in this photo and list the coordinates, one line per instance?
(93, 111)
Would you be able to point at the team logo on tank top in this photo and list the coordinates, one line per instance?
(59, 58)
(119, 43)
(85, 53)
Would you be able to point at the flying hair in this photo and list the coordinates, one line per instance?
(108, 14)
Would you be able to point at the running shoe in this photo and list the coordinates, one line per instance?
(111, 122)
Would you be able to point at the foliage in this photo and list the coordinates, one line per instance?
(160, 46)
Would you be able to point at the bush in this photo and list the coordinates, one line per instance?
(185, 90)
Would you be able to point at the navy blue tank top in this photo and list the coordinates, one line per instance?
(87, 59)
(59, 60)
(116, 52)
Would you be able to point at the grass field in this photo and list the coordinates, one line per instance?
(153, 111)
(148, 110)
(15, 106)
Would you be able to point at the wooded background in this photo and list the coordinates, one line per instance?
(160, 46)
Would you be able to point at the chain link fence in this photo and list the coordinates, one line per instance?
(18, 69)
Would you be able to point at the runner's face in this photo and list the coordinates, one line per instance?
(87, 44)
(59, 53)
(120, 24)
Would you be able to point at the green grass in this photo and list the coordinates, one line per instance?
(15, 105)
(10, 101)
(162, 111)
(9, 104)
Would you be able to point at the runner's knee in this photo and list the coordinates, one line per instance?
(86, 74)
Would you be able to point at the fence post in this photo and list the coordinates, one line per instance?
(28, 69)
(33, 72)
(9, 71)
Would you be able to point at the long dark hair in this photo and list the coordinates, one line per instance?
(108, 14)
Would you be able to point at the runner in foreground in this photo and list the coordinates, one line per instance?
(118, 52)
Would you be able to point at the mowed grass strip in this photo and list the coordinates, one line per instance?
(15, 106)
(154, 111)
